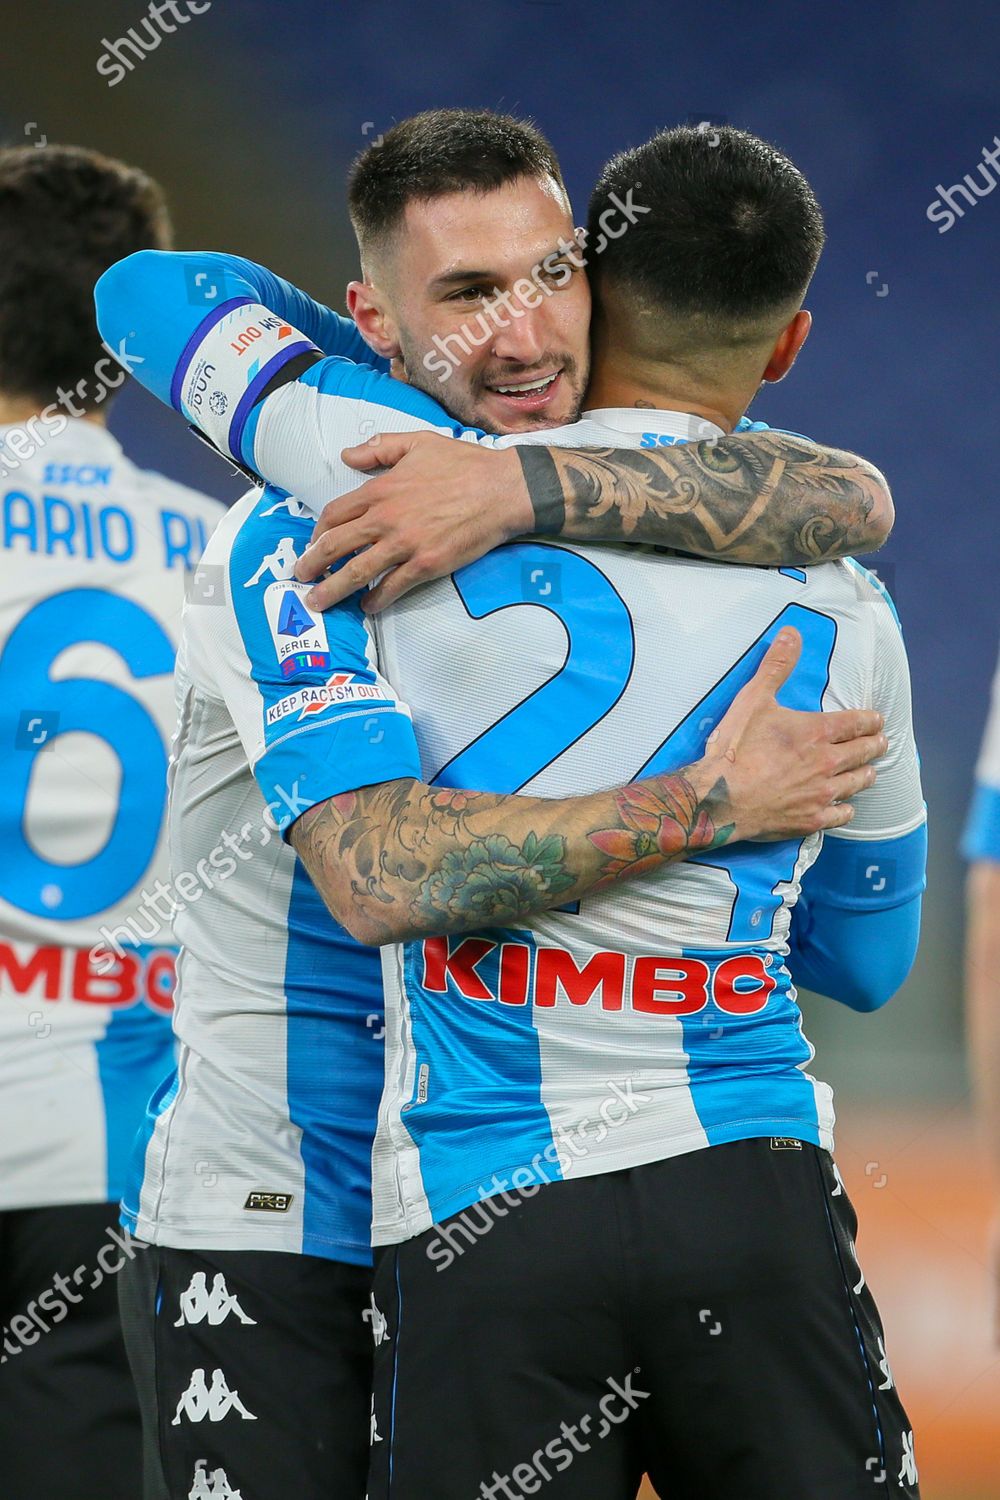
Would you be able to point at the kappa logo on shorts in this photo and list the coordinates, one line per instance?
(214, 1401)
(375, 1316)
(908, 1469)
(214, 1486)
(271, 1203)
(198, 1303)
(885, 1368)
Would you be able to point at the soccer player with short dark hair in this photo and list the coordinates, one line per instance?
(94, 554)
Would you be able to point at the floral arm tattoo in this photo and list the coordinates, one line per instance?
(762, 498)
(402, 859)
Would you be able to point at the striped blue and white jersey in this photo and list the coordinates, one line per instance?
(659, 1017)
(982, 830)
(94, 556)
(261, 1138)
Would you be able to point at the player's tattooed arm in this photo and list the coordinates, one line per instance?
(756, 497)
(403, 860)
(765, 497)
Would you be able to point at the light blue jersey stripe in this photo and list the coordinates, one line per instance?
(491, 1075)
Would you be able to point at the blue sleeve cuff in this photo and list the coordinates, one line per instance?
(322, 761)
(867, 875)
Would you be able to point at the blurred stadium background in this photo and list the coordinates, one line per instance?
(249, 116)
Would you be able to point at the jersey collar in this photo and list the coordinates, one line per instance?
(681, 426)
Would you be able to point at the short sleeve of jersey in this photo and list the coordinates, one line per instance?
(981, 839)
(313, 713)
(894, 806)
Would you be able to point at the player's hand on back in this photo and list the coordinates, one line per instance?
(790, 773)
(445, 504)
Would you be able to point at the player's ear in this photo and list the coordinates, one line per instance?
(373, 320)
(790, 341)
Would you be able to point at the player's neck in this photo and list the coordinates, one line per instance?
(16, 410)
(617, 383)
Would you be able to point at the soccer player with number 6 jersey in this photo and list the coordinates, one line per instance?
(94, 556)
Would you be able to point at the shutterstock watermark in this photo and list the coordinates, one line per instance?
(615, 1407)
(969, 189)
(120, 56)
(187, 887)
(554, 1164)
(547, 276)
(26, 1328)
(22, 441)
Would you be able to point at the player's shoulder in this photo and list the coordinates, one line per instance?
(343, 378)
(259, 522)
(872, 592)
(259, 539)
(249, 568)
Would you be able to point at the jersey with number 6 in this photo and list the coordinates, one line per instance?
(93, 559)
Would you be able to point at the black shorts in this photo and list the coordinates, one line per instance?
(702, 1318)
(69, 1419)
(253, 1370)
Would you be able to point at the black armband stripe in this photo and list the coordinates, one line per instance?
(545, 489)
(290, 371)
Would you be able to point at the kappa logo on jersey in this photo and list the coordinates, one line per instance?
(214, 1401)
(294, 508)
(214, 1486)
(374, 1435)
(198, 1303)
(343, 687)
(885, 1367)
(908, 1468)
(280, 563)
(298, 632)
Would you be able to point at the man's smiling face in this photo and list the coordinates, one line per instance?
(475, 285)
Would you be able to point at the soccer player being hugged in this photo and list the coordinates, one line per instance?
(93, 559)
